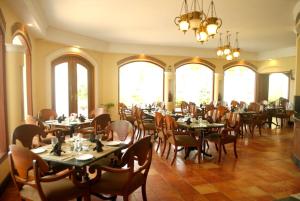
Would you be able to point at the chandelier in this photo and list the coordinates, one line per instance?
(226, 50)
(205, 26)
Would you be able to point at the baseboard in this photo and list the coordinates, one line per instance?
(4, 184)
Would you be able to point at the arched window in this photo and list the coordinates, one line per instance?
(73, 85)
(20, 37)
(239, 84)
(3, 128)
(194, 83)
(141, 82)
(278, 86)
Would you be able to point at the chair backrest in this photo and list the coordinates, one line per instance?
(140, 151)
(255, 107)
(158, 120)
(21, 163)
(46, 114)
(184, 107)
(171, 124)
(101, 122)
(25, 134)
(232, 119)
(192, 109)
(122, 130)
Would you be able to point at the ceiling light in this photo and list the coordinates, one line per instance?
(229, 57)
(220, 51)
(213, 22)
(226, 50)
(197, 20)
(201, 35)
(182, 21)
(236, 52)
(30, 25)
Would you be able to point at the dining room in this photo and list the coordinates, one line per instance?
(99, 101)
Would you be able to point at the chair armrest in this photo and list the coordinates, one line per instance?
(58, 176)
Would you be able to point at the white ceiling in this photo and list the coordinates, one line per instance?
(264, 25)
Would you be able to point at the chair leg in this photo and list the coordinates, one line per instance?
(144, 192)
(199, 154)
(158, 143)
(234, 148)
(175, 155)
(220, 153)
(164, 148)
(224, 149)
(216, 147)
(168, 151)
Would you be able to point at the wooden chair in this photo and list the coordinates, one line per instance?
(123, 181)
(122, 130)
(282, 113)
(99, 125)
(234, 105)
(184, 106)
(179, 138)
(46, 114)
(162, 137)
(144, 125)
(28, 172)
(225, 137)
(49, 114)
(25, 135)
(193, 109)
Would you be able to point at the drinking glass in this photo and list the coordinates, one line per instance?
(54, 141)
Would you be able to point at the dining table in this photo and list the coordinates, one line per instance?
(81, 158)
(202, 126)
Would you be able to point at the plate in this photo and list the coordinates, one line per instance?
(84, 157)
(38, 150)
(113, 143)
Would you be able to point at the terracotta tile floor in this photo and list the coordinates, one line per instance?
(264, 171)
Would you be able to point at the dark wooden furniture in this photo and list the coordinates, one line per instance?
(25, 134)
(179, 138)
(123, 181)
(28, 172)
(162, 137)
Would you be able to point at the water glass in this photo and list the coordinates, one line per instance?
(54, 141)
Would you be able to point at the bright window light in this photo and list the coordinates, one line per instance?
(194, 83)
(278, 86)
(62, 89)
(239, 84)
(82, 90)
(140, 83)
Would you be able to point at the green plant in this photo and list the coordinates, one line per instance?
(109, 105)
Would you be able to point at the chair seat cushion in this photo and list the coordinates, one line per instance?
(186, 140)
(63, 189)
(115, 183)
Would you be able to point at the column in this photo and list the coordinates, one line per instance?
(14, 64)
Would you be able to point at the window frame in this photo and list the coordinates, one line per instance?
(196, 60)
(142, 58)
(18, 29)
(72, 60)
(3, 108)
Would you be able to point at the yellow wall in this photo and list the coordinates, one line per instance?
(106, 74)
(13, 72)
